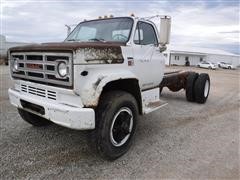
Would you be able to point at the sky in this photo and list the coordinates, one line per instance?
(200, 23)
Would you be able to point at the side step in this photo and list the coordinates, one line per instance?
(152, 106)
(151, 100)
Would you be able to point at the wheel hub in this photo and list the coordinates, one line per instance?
(121, 127)
(206, 88)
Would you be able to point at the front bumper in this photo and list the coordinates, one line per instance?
(70, 116)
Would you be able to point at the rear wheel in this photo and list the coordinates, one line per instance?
(229, 67)
(202, 88)
(190, 86)
(33, 119)
(116, 118)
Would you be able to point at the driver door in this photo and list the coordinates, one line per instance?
(148, 60)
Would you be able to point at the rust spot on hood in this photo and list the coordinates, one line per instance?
(66, 46)
(106, 55)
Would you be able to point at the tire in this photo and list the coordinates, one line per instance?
(229, 67)
(109, 144)
(198, 66)
(209, 67)
(191, 79)
(6, 62)
(202, 88)
(33, 119)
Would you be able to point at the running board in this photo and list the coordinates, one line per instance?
(152, 106)
(151, 100)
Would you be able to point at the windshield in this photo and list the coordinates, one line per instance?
(105, 30)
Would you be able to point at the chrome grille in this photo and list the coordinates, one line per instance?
(39, 92)
(42, 67)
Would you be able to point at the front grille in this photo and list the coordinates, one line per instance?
(39, 92)
(42, 68)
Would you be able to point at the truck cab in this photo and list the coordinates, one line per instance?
(106, 73)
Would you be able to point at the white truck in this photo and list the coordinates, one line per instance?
(101, 78)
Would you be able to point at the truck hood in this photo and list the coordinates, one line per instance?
(66, 46)
(91, 52)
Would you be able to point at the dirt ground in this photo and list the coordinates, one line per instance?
(182, 140)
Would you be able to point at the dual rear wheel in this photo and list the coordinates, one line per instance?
(197, 87)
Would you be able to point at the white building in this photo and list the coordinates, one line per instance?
(179, 55)
(5, 45)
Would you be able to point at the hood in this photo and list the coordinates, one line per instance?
(66, 46)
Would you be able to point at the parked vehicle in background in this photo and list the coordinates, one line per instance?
(225, 65)
(208, 65)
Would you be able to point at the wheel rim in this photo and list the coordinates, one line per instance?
(206, 88)
(121, 127)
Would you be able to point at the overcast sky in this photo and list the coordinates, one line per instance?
(212, 23)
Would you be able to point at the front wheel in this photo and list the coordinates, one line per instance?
(116, 117)
(229, 67)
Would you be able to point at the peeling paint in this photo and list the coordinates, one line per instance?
(101, 55)
(99, 79)
(91, 92)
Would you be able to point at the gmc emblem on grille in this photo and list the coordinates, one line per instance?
(35, 66)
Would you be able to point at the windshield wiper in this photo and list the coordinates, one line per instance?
(96, 39)
(71, 40)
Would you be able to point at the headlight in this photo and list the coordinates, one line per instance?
(15, 65)
(62, 69)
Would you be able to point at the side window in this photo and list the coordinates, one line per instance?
(145, 34)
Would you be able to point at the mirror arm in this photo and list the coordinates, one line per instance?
(162, 47)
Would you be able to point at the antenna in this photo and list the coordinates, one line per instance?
(69, 29)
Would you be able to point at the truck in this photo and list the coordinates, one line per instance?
(106, 73)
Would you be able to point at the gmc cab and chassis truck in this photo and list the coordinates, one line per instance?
(101, 78)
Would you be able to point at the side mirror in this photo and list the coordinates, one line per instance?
(165, 28)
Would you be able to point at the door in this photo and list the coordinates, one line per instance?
(207, 65)
(148, 60)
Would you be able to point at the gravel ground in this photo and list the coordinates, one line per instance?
(181, 140)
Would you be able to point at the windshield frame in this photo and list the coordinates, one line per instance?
(129, 36)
